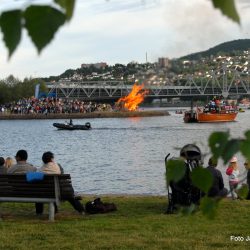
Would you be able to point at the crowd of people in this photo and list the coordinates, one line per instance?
(53, 105)
(220, 105)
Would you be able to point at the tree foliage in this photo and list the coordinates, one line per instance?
(12, 89)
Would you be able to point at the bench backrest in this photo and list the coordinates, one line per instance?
(16, 185)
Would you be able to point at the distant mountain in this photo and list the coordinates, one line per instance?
(224, 48)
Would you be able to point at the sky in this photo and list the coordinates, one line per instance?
(121, 31)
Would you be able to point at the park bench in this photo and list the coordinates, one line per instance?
(52, 189)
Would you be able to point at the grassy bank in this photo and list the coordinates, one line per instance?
(139, 223)
(114, 114)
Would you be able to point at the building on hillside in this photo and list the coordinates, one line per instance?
(164, 62)
(100, 65)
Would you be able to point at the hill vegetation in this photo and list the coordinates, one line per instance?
(231, 48)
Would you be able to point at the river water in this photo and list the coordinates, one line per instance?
(119, 155)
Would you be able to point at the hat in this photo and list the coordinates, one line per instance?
(234, 159)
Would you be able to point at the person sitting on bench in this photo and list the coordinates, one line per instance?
(22, 166)
(51, 167)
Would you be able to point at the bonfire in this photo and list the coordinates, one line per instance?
(133, 99)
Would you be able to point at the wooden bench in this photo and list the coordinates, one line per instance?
(52, 189)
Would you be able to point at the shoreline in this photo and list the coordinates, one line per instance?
(107, 114)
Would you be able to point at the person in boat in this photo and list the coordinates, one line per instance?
(206, 109)
(217, 189)
(51, 167)
(70, 122)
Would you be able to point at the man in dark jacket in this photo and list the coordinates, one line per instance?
(217, 189)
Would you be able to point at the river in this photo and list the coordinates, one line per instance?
(119, 155)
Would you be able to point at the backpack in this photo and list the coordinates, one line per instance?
(229, 171)
(98, 207)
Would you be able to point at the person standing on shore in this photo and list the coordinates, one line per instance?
(233, 176)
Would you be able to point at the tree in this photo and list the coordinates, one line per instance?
(43, 21)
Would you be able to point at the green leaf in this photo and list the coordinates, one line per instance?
(42, 22)
(209, 207)
(175, 170)
(247, 134)
(242, 192)
(244, 148)
(230, 149)
(202, 179)
(10, 23)
(227, 8)
(188, 210)
(217, 142)
(68, 6)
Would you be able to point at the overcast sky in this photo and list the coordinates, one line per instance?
(121, 31)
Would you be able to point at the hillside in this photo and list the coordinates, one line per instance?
(227, 48)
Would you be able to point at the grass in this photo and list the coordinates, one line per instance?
(139, 223)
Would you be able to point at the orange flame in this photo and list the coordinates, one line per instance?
(134, 98)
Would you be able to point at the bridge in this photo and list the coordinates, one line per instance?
(223, 82)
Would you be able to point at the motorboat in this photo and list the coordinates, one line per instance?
(68, 126)
(200, 115)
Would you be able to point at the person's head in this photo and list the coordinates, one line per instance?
(9, 162)
(191, 152)
(21, 155)
(2, 161)
(234, 162)
(47, 157)
(212, 162)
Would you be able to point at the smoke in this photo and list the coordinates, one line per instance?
(197, 26)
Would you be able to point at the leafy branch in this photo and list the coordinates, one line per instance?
(41, 22)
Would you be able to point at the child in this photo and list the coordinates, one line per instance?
(233, 176)
(9, 162)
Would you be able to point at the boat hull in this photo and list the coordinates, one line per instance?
(216, 117)
(87, 126)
